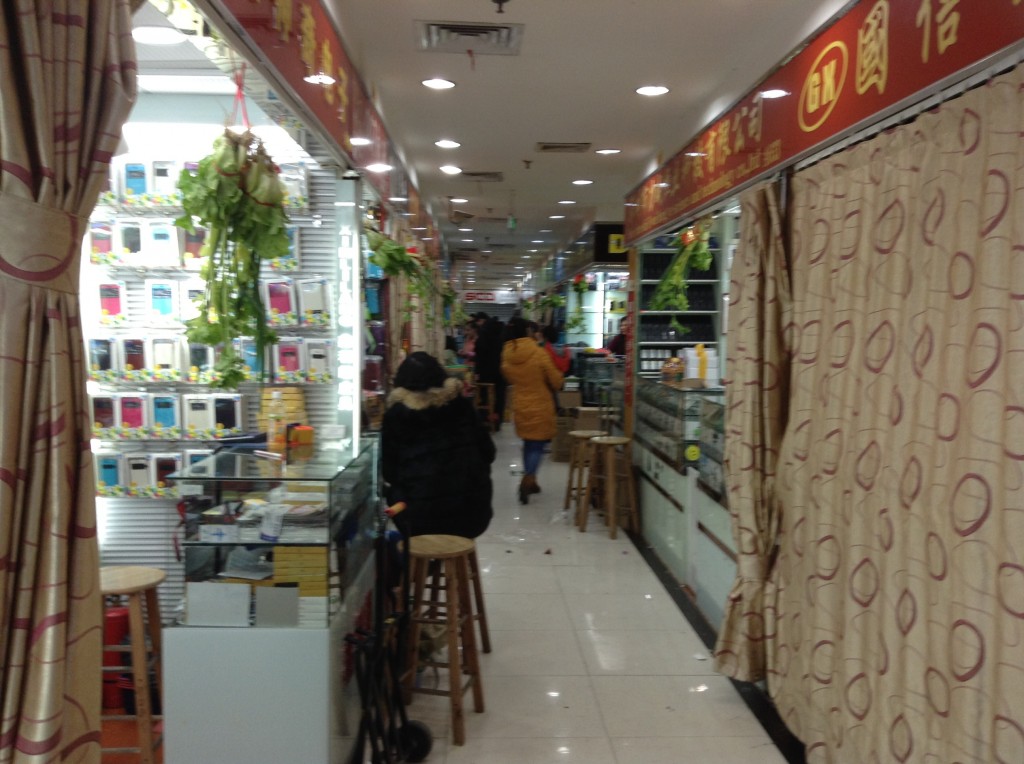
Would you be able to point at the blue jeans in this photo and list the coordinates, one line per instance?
(533, 452)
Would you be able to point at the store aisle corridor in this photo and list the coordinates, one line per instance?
(592, 660)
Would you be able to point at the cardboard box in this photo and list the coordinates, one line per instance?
(587, 418)
(569, 399)
(560, 445)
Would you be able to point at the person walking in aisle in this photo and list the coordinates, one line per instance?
(528, 367)
(435, 454)
(562, 359)
(488, 362)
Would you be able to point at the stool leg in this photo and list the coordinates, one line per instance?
(634, 515)
(610, 498)
(454, 659)
(154, 622)
(480, 614)
(593, 475)
(140, 676)
(418, 573)
(470, 657)
(572, 473)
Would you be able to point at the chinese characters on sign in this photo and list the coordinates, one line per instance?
(879, 55)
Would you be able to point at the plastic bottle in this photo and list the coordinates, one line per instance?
(276, 424)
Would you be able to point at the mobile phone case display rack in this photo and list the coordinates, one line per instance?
(153, 411)
(278, 564)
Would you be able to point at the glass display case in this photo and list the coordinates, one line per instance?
(284, 553)
(596, 373)
(306, 524)
(668, 420)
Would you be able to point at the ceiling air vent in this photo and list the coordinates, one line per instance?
(483, 177)
(562, 148)
(458, 37)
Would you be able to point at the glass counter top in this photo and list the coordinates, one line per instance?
(245, 464)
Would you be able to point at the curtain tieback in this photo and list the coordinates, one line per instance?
(40, 245)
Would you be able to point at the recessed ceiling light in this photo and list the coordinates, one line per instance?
(519, 267)
(397, 199)
(695, 154)
(427, 238)
(437, 83)
(344, 204)
(608, 151)
(537, 241)
(582, 182)
(158, 35)
(487, 251)
(380, 167)
(545, 230)
(360, 141)
(652, 90)
(419, 228)
(467, 240)
(450, 169)
(320, 78)
(556, 217)
(532, 250)
(444, 143)
(465, 230)
(567, 201)
(663, 184)
(774, 93)
(458, 201)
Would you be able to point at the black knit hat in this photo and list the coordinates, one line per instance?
(420, 371)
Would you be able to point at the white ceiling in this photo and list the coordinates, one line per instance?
(573, 80)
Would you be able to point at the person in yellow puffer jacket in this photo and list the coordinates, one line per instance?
(529, 368)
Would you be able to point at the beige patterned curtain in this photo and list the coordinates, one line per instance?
(899, 625)
(67, 81)
(757, 394)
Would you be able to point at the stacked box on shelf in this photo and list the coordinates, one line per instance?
(305, 566)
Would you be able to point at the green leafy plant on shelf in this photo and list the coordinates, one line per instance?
(692, 252)
(236, 194)
(576, 321)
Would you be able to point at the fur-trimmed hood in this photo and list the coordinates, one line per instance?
(420, 400)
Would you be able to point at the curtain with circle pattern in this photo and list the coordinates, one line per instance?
(67, 82)
(898, 606)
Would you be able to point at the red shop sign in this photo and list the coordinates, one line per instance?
(299, 40)
(479, 297)
(878, 54)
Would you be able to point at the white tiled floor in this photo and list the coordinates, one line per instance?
(592, 661)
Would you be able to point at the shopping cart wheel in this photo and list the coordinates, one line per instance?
(417, 740)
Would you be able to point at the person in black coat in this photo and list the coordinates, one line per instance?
(436, 455)
(489, 342)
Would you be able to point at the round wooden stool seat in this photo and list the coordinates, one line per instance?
(444, 578)
(608, 465)
(440, 547)
(579, 463)
(138, 585)
(128, 579)
(611, 440)
(586, 434)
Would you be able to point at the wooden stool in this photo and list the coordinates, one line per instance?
(136, 584)
(607, 465)
(446, 559)
(579, 463)
(484, 402)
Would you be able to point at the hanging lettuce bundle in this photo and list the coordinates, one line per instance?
(237, 196)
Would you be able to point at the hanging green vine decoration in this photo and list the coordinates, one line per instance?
(396, 260)
(692, 252)
(237, 196)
